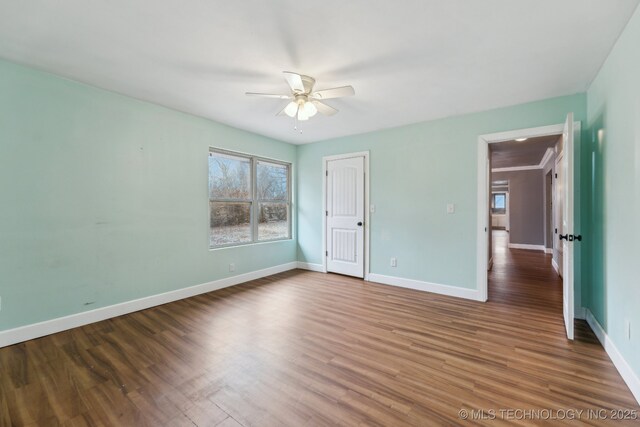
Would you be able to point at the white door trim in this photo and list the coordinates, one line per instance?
(483, 189)
(367, 221)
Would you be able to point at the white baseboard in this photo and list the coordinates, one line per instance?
(548, 250)
(554, 264)
(490, 264)
(627, 374)
(311, 267)
(36, 330)
(436, 288)
(528, 247)
(580, 313)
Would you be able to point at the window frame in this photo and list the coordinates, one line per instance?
(254, 201)
(494, 210)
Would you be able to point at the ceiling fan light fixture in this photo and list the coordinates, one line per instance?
(291, 109)
(302, 114)
(310, 109)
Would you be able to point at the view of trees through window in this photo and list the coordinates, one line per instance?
(238, 214)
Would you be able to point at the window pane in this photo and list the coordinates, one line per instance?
(500, 201)
(229, 177)
(272, 181)
(273, 221)
(230, 223)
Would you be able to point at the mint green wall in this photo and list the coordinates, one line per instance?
(104, 198)
(613, 100)
(415, 171)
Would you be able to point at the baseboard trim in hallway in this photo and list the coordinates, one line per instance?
(48, 327)
(527, 247)
(627, 374)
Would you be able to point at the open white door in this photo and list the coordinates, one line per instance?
(345, 216)
(565, 236)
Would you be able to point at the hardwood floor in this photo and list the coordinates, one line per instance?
(302, 348)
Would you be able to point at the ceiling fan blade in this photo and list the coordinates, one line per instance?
(281, 112)
(336, 92)
(324, 108)
(269, 95)
(294, 80)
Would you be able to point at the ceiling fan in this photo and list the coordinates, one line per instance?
(303, 101)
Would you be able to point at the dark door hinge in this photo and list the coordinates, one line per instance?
(326, 253)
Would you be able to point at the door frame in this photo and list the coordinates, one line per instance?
(367, 225)
(484, 177)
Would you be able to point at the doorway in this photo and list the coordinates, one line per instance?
(346, 214)
(517, 237)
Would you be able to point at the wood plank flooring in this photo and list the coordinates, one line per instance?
(309, 349)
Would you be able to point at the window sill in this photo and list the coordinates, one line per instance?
(244, 245)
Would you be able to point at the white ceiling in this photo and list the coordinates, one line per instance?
(408, 60)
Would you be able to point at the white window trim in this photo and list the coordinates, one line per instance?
(254, 201)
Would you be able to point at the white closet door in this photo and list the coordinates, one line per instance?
(345, 216)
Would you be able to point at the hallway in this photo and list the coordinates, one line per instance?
(524, 278)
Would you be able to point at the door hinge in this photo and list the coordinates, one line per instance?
(326, 213)
(326, 173)
(326, 253)
(556, 176)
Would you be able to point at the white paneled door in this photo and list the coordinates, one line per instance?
(345, 216)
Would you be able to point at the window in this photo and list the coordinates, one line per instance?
(499, 203)
(249, 199)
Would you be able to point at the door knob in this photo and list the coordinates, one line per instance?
(571, 237)
(360, 224)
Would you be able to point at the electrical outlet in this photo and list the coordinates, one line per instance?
(628, 329)
(451, 208)
(232, 267)
(394, 262)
